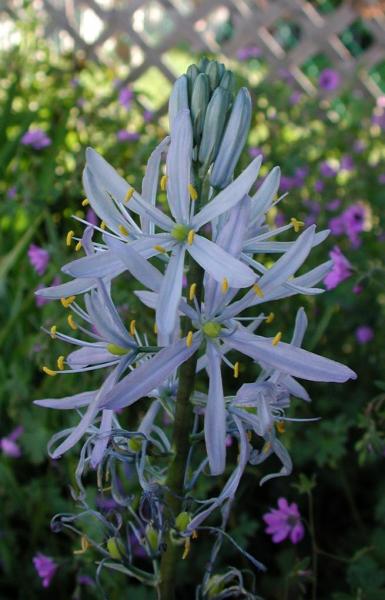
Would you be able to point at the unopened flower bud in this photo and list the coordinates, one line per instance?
(191, 74)
(212, 71)
(182, 521)
(233, 140)
(115, 548)
(199, 101)
(227, 81)
(152, 538)
(214, 125)
(178, 99)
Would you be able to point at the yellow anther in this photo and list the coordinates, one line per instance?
(49, 372)
(189, 339)
(160, 249)
(190, 237)
(71, 322)
(236, 370)
(192, 291)
(155, 328)
(132, 327)
(103, 225)
(194, 535)
(84, 545)
(297, 225)
(258, 290)
(85, 202)
(266, 447)
(67, 301)
(193, 192)
(60, 363)
(280, 425)
(129, 194)
(270, 318)
(277, 338)
(249, 436)
(163, 183)
(187, 546)
(53, 331)
(69, 237)
(224, 285)
(123, 230)
(78, 246)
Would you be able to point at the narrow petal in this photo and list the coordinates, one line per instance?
(289, 359)
(101, 201)
(263, 198)
(215, 414)
(299, 327)
(230, 196)
(68, 402)
(179, 167)
(170, 292)
(102, 264)
(138, 266)
(219, 264)
(103, 438)
(71, 288)
(150, 374)
(150, 181)
(178, 99)
(87, 356)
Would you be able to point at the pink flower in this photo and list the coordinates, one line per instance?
(45, 567)
(36, 138)
(284, 522)
(39, 258)
(364, 334)
(341, 269)
(8, 444)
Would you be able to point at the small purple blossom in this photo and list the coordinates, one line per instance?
(359, 146)
(85, 580)
(364, 334)
(248, 52)
(38, 258)
(284, 522)
(341, 269)
(329, 80)
(326, 169)
(148, 116)
(333, 204)
(295, 98)
(8, 444)
(378, 118)
(11, 192)
(255, 151)
(127, 136)
(346, 163)
(126, 96)
(319, 186)
(381, 178)
(280, 219)
(45, 567)
(36, 138)
(40, 300)
(351, 222)
(358, 289)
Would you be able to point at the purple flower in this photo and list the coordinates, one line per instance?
(319, 186)
(381, 178)
(248, 52)
(346, 163)
(127, 136)
(364, 334)
(284, 522)
(8, 444)
(379, 119)
(126, 96)
(327, 170)
(254, 151)
(40, 300)
(358, 289)
(85, 580)
(329, 80)
(36, 138)
(38, 258)
(295, 98)
(340, 271)
(337, 225)
(333, 204)
(280, 219)
(11, 192)
(354, 219)
(148, 116)
(45, 567)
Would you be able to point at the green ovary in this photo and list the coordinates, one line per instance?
(212, 329)
(180, 232)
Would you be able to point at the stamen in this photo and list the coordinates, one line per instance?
(67, 301)
(78, 246)
(163, 183)
(60, 363)
(49, 372)
(189, 339)
(123, 230)
(69, 237)
(155, 328)
(236, 370)
(160, 249)
(193, 192)
(187, 546)
(270, 318)
(280, 425)
(53, 331)
(71, 322)
(249, 436)
(132, 327)
(194, 535)
(190, 237)
(85, 202)
(84, 545)
(277, 338)
(192, 291)
(225, 285)
(258, 290)
(103, 225)
(266, 447)
(297, 225)
(129, 194)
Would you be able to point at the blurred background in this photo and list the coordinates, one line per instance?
(99, 72)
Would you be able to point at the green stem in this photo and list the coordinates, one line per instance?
(314, 545)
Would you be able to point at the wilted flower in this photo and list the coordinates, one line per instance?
(39, 258)
(364, 334)
(329, 80)
(45, 567)
(284, 522)
(8, 444)
(341, 269)
(36, 138)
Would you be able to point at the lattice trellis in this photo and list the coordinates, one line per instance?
(142, 32)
